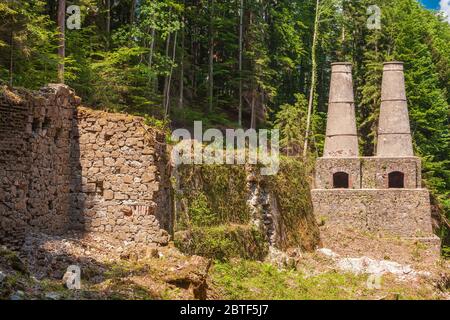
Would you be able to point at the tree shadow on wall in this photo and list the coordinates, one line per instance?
(77, 207)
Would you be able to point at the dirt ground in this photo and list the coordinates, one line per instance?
(114, 270)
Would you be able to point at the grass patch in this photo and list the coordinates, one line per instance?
(255, 280)
(252, 280)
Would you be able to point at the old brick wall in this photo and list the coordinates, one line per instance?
(124, 174)
(63, 166)
(34, 161)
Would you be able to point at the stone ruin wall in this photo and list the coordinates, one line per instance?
(121, 177)
(34, 161)
(63, 167)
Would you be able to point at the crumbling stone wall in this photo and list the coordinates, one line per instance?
(34, 161)
(124, 174)
(63, 166)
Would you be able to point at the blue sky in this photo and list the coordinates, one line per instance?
(431, 4)
(443, 5)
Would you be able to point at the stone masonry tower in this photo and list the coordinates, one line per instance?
(381, 194)
(341, 139)
(394, 134)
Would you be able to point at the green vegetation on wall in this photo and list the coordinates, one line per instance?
(214, 218)
(291, 187)
(224, 242)
(213, 195)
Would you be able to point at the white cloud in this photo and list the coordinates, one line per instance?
(445, 7)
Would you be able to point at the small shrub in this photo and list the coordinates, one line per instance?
(161, 124)
(199, 212)
(446, 252)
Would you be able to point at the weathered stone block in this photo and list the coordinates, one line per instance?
(120, 196)
(108, 195)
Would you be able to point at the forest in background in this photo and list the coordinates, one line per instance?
(241, 63)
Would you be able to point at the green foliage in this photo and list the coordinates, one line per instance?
(214, 208)
(214, 218)
(252, 280)
(291, 121)
(446, 252)
(209, 120)
(223, 242)
(199, 212)
(116, 71)
(27, 44)
(162, 125)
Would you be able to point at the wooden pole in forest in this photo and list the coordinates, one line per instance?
(61, 36)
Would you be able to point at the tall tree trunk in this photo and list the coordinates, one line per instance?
(61, 36)
(211, 55)
(152, 48)
(152, 80)
(108, 20)
(11, 60)
(167, 107)
(241, 28)
(166, 79)
(253, 106)
(133, 11)
(181, 100)
(194, 61)
(313, 78)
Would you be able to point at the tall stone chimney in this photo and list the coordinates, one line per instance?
(394, 133)
(341, 139)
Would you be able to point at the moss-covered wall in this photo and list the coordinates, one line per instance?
(211, 195)
(224, 211)
(291, 187)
